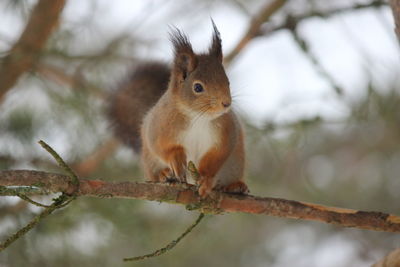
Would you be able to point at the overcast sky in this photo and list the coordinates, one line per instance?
(271, 78)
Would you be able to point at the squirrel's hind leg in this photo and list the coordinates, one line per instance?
(152, 169)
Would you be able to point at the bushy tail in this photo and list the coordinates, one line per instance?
(130, 102)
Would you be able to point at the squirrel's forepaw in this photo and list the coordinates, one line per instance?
(206, 186)
(179, 171)
(165, 175)
(238, 187)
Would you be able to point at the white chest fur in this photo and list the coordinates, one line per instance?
(198, 138)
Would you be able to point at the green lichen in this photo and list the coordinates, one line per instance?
(39, 184)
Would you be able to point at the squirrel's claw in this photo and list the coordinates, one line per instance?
(178, 164)
(166, 175)
(180, 174)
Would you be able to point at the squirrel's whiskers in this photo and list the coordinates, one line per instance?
(183, 113)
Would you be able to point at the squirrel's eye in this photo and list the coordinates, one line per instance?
(198, 88)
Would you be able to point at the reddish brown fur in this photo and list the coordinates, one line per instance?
(212, 161)
(236, 187)
(133, 99)
(172, 129)
(176, 158)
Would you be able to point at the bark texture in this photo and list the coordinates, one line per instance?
(217, 202)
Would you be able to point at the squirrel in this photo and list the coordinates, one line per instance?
(183, 113)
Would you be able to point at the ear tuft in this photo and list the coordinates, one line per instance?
(216, 45)
(184, 60)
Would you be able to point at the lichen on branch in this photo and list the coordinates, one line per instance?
(217, 202)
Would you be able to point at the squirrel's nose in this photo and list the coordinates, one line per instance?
(226, 103)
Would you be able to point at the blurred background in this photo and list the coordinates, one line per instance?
(317, 86)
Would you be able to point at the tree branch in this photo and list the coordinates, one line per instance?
(292, 21)
(57, 75)
(217, 202)
(22, 56)
(395, 4)
(254, 28)
(305, 48)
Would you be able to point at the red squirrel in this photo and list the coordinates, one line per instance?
(183, 114)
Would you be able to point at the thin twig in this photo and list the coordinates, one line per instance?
(195, 175)
(61, 163)
(60, 202)
(25, 190)
(49, 210)
(292, 21)
(254, 28)
(23, 197)
(257, 29)
(170, 245)
(318, 66)
(4, 191)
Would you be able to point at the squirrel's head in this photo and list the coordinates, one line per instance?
(199, 81)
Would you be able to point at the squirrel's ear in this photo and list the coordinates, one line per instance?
(216, 45)
(185, 60)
